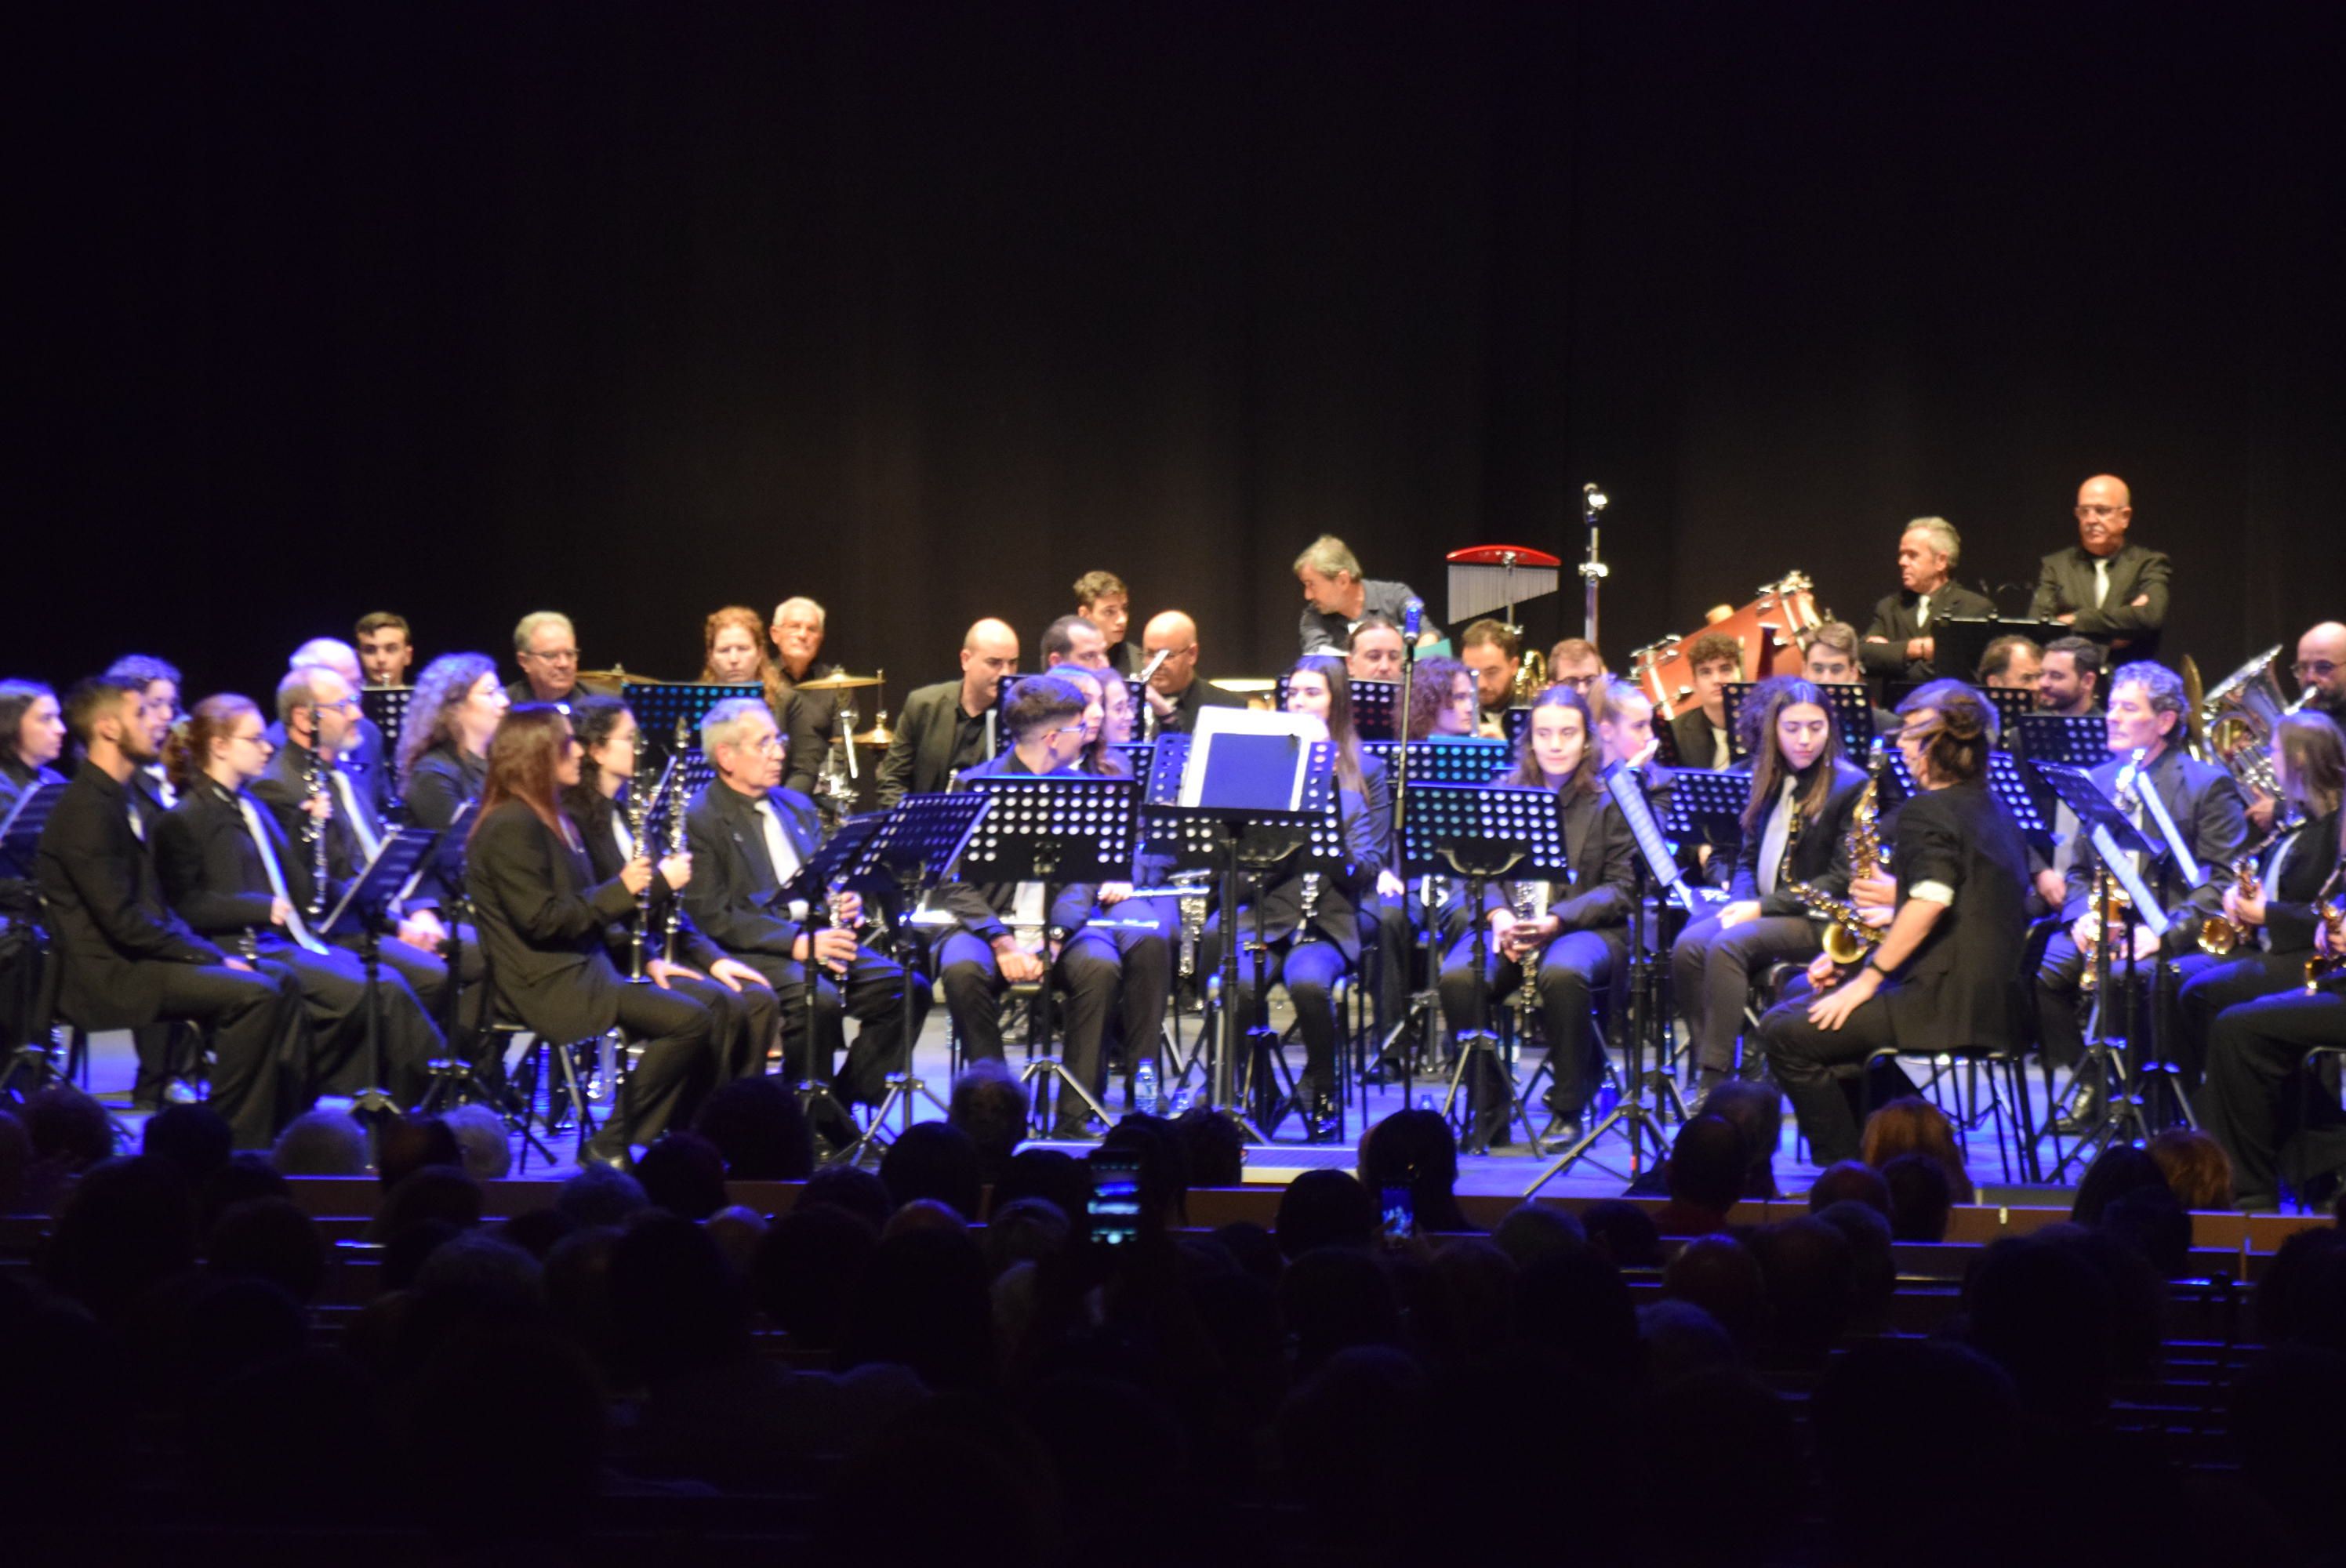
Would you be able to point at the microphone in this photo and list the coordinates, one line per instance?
(1413, 612)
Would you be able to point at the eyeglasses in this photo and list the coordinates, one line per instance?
(2099, 510)
(2314, 668)
(766, 745)
(1077, 728)
(347, 705)
(256, 739)
(553, 655)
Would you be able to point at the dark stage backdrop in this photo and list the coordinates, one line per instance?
(923, 309)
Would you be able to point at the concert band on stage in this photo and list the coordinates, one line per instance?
(182, 862)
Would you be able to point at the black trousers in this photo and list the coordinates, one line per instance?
(677, 1068)
(1126, 972)
(332, 986)
(2257, 1093)
(258, 1028)
(2062, 999)
(872, 992)
(2222, 983)
(1309, 970)
(746, 1022)
(424, 973)
(1571, 968)
(1710, 975)
(1821, 1070)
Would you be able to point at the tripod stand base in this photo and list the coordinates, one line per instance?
(1641, 1119)
(902, 1089)
(1053, 1071)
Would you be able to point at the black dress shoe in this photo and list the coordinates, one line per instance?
(1075, 1129)
(601, 1151)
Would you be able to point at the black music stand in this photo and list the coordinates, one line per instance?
(1003, 739)
(2012, 704)
(387, 707)
(915, 843)
(1054, 830)
(1648, 1016)
(2077, 739)
(2116, 841)
(674, 709)
(1847, 701)
(1376, 708)
(1481, 832)
(1707, 806)
(829, 867)
(1958, 642)
(20, 839)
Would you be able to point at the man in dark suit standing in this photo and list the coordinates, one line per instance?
(1899, 644)
(2103, 586)
(950, 726)
(127, 960)
(1175, 692)
(749, 837)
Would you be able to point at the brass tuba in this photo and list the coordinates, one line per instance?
(1531, 674)
(2239, 717)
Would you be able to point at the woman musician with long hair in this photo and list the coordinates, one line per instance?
(1575, 941)
(545, 922)
(1796, 828)
(443, 748)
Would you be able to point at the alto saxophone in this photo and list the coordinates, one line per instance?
(1847, 939)
(2333, 925)
(2218, 934)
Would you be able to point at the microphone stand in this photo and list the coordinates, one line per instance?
(1593, 570)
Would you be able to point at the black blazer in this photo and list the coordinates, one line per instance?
(920, 758)
(1894, 625)
(210, 869)
(2208, 812)
(733, 894)
(107, 911)
(2290, 914)
(1962, 986)
(1690, 737)
(809, 721)
(542, 919)
(362, 761)
(1201, 693)
(445, 777)
(593, 814)
(283, 787)
(1602, 851)
(2065, 584)
(1819, 856)
(1366, 817)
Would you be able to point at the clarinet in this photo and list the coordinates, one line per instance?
(640, 804)
(313, 837)
(676, 835)
(1527, 909)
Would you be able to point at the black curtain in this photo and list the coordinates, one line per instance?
(638, 311)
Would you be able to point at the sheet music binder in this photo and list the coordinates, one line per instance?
(1192, 836)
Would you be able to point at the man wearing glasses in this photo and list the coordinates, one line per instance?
(1175, 692)
(949, 726)
(545, 645)
(2109, 590)
(2321, 670)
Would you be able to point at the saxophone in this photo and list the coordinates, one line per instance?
(2218, 934)
(2109, 913)
(2333, 925)
(1847, 939)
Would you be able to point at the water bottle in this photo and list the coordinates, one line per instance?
(1426, 1100)
(1144, 1087)
(1180, 1102)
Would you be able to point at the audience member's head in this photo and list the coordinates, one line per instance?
(1718, 1274)
(1756, 1111)
(1531, 1230)
(1850, 1181)
(599, 1195)
(683, 1174)
(990, 1105)
(678, 1304)
(195, 1138)
(1216, 1146)
(2156, 1227)
(1416, 1150)
(1889, 1409)
(2116, 1171)
(1051, 1174)
(1873, 1265)
(1027, 1231)
(925, 1302)
(934, 1160)
(1921, 1202)
(758, 1129)
(321, 1143)
(405, 1144)
(851, 1189)
(1574, 1303)
(808, 1269)
(1334, 1299)
(480, 1135)
(1812, 1285)
(1164, 1161)
(1325, 1209)
(1709, 1160)
(2042, 1310)
(1623, 1232)
(2301, 1299)
(738, 1231)
(69, 1130)
(2198, 1170)
(432, 1192)
(129, 1224)
(1911, 1125)
(271, 1238)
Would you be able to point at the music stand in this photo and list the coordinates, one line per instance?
(1376, 708)
(1481, 832)
(830, 866)
(387, 707)
(1453, 759)
(20, 834)
(1707, 806)
(1054, 830)
(1958, 642)
(674, 709)
(915, 843)
(1847, 701)
(2012, 704)
(20, 839)
(2116, 842)
(2078, 739)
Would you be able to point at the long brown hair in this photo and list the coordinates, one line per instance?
(439, 692)
(2316, 755)
(1339, 714)
(188, 749)
(1911, 1125)
(769, 678)
(524, 756)
(1527, 772)
(1768, 766)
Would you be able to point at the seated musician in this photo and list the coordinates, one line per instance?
(1495, 653)
(319, 714)
(1443, 700)
(1073, 640)
(2069, 677)
(1699, 734)
(1120, 718)
(1101, 598)
(159, 683)
(2256, 1083)
(1625, 726)
(228, 869)
(2103, 586)
(1378, 651)
(1575, 662)
(2147, 714)
(386, 648)
(1175, 692)
(810, 719)
(1898, 642)
(1796, 828)
(32, 737)
(362, 756)
(1830, 657)
(444, 751)
(1336, 598)
(2011, 664)
(126, 959)
(544, 920)
(1312, 920)
(2320, 671)
(749, 836)
(676, 955)
(2275, 919)
(1577, 941)
(732, 652)
(948, 726)
(545, 645)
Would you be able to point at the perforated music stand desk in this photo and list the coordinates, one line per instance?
(20, 835)
(2076, 740)
(1706, 803)
(1375, 707)
(387, 707)
(659, 705)
(1851, 710)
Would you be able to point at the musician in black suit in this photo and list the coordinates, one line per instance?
(2069, 677)
(1830, 657)
(1313, 922)
(444, 751)
(1102, 599)
(1698, 736)
(317, 712)
(126, 961)
(32, 737)
(2146, 716)
(748, 1014)
(545, 645)
(158, 684)
(2301, 868)
(1175, 692)
(1578, 939)
(749, 838)
(545, 922)
(809, 719)
(2103, 586)
(230, 872)
(948, 726)
(1899, 643)
(361, 753)
(1945, 974)
(1796, 829)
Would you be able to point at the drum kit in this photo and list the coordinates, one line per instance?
(1771, 629)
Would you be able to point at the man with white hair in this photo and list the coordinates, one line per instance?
(1900, 644)
(545, 645)
(810, 719)
(361, 753)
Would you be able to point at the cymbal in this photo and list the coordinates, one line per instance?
(878, 735)
(839, 680)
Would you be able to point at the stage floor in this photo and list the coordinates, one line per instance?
(1604, 1170)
